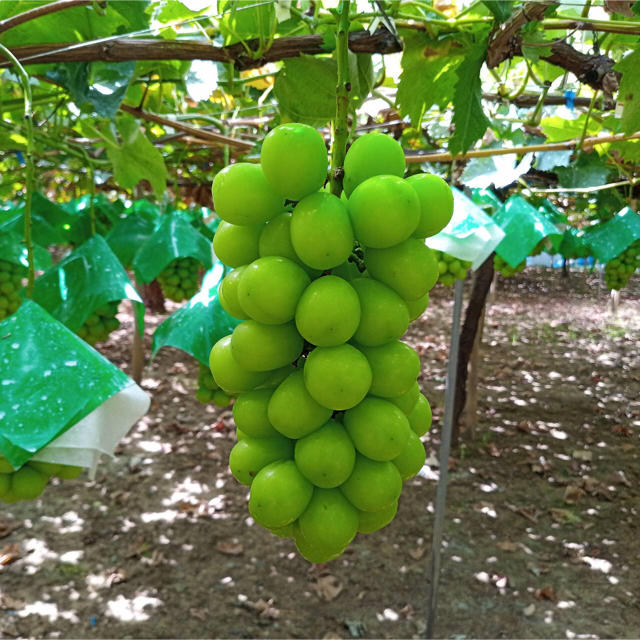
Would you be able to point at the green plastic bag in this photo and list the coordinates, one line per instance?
(88, 278)
(200, 323)
(13, 249)
(128, 235)
(524, 227)
(486, 199)
(470, 235)
(611, 238)
(49, 221)
(174, 238)
(52, 381)
(106, 215)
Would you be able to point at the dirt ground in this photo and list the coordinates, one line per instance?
(543, 505)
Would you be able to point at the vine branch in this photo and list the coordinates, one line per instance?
(341, 125)
(37, 12)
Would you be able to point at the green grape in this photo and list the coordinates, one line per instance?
(229, 375)
(321, 231)
(420, 416)
(279, 494)
(436, 203)
(221, 398)
(294, 160)
(407, 401)
(11, 276)
(176, 287)
(409, 268)
(337, 377)
(378, 428)
(28, 483)
(412, 458)
(618, 271)
(370, 521)
(311, 553)
(249, 455)
(384, 211)
(384, 315)
(293, 411)
(100, 323)
(372, 485)
(373, 154)
(394, 366)
(329, 523)
(328, 312)
(250, 413)
(235, 245)
(269, 289)
(242, 195)
(326, 456)
(228, 294)
(451, 268)
(417, 307)
(264, 347)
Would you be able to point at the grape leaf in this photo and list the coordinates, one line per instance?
(306, 90)
(501, 9)
(629, 92)
(558, 129)
(468, 117)
(589, 170)
(427, 75)
(136, 158)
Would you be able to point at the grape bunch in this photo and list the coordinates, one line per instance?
(451, 268)
(618, 271)
(100, 323)
(208, 390)
(329, 413)
(29, 481)
(11, 276)
(179, 279)
(505, 269)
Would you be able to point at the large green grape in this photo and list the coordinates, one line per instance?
(228, 294)
(394, 366)
(264, 347)
(372, 485)
(384, 211)
(236, 245)
(242, 195)
(269, 289)
(249, 455)
(328, 312)
(228, 373)
(373, 154)
(294, 160)
(436, 203)
(321, 231)
(409, 268)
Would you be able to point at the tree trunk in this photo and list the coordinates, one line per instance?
(565, 268)
(471, 405)
(153, 297)
(481, 284)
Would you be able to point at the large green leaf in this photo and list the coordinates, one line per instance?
(557, 129)
(102, 85)
(136, 158)
(306, 90)
(501, 9)
(629, 92)
(590, 170)
(246, 20)
(468, 117)
(427, 75)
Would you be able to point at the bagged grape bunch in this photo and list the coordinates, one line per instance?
(451, 268)
(329, 413)
(179, 279)
(11, 277)
(618, 271)
(100, 324)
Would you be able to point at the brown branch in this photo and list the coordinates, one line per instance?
(127, 49)
(203, 134)
(37, 12)
(505, 38)
(445, 156)
(531, 100)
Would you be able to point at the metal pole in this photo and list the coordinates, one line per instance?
(445, 449)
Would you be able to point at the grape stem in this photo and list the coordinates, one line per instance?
(29, 164)
(340, 126)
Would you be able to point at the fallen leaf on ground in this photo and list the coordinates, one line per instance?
(547, 593)
(10, 553)
(116, 576)
(507, 545)
(530, 610)
(417, 553)
(8, 526)
(327, 587)
(537, 569)
(623, 432)
(264, 608)
(572, 494)
(200, 614)
(530, 513)
(230, 548)
(7, 602)
(563, 516)
(493, 450)
(583, 456)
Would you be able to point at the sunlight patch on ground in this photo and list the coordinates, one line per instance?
(133, 609)
(169, 515)
(72, 557)
(47, 610)
(69, 522)
(184, 490)
(598, 564)
(38, 554)
(151, 446)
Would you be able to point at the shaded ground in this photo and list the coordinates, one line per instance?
(543, 510)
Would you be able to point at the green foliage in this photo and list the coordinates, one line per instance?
(629, 92)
